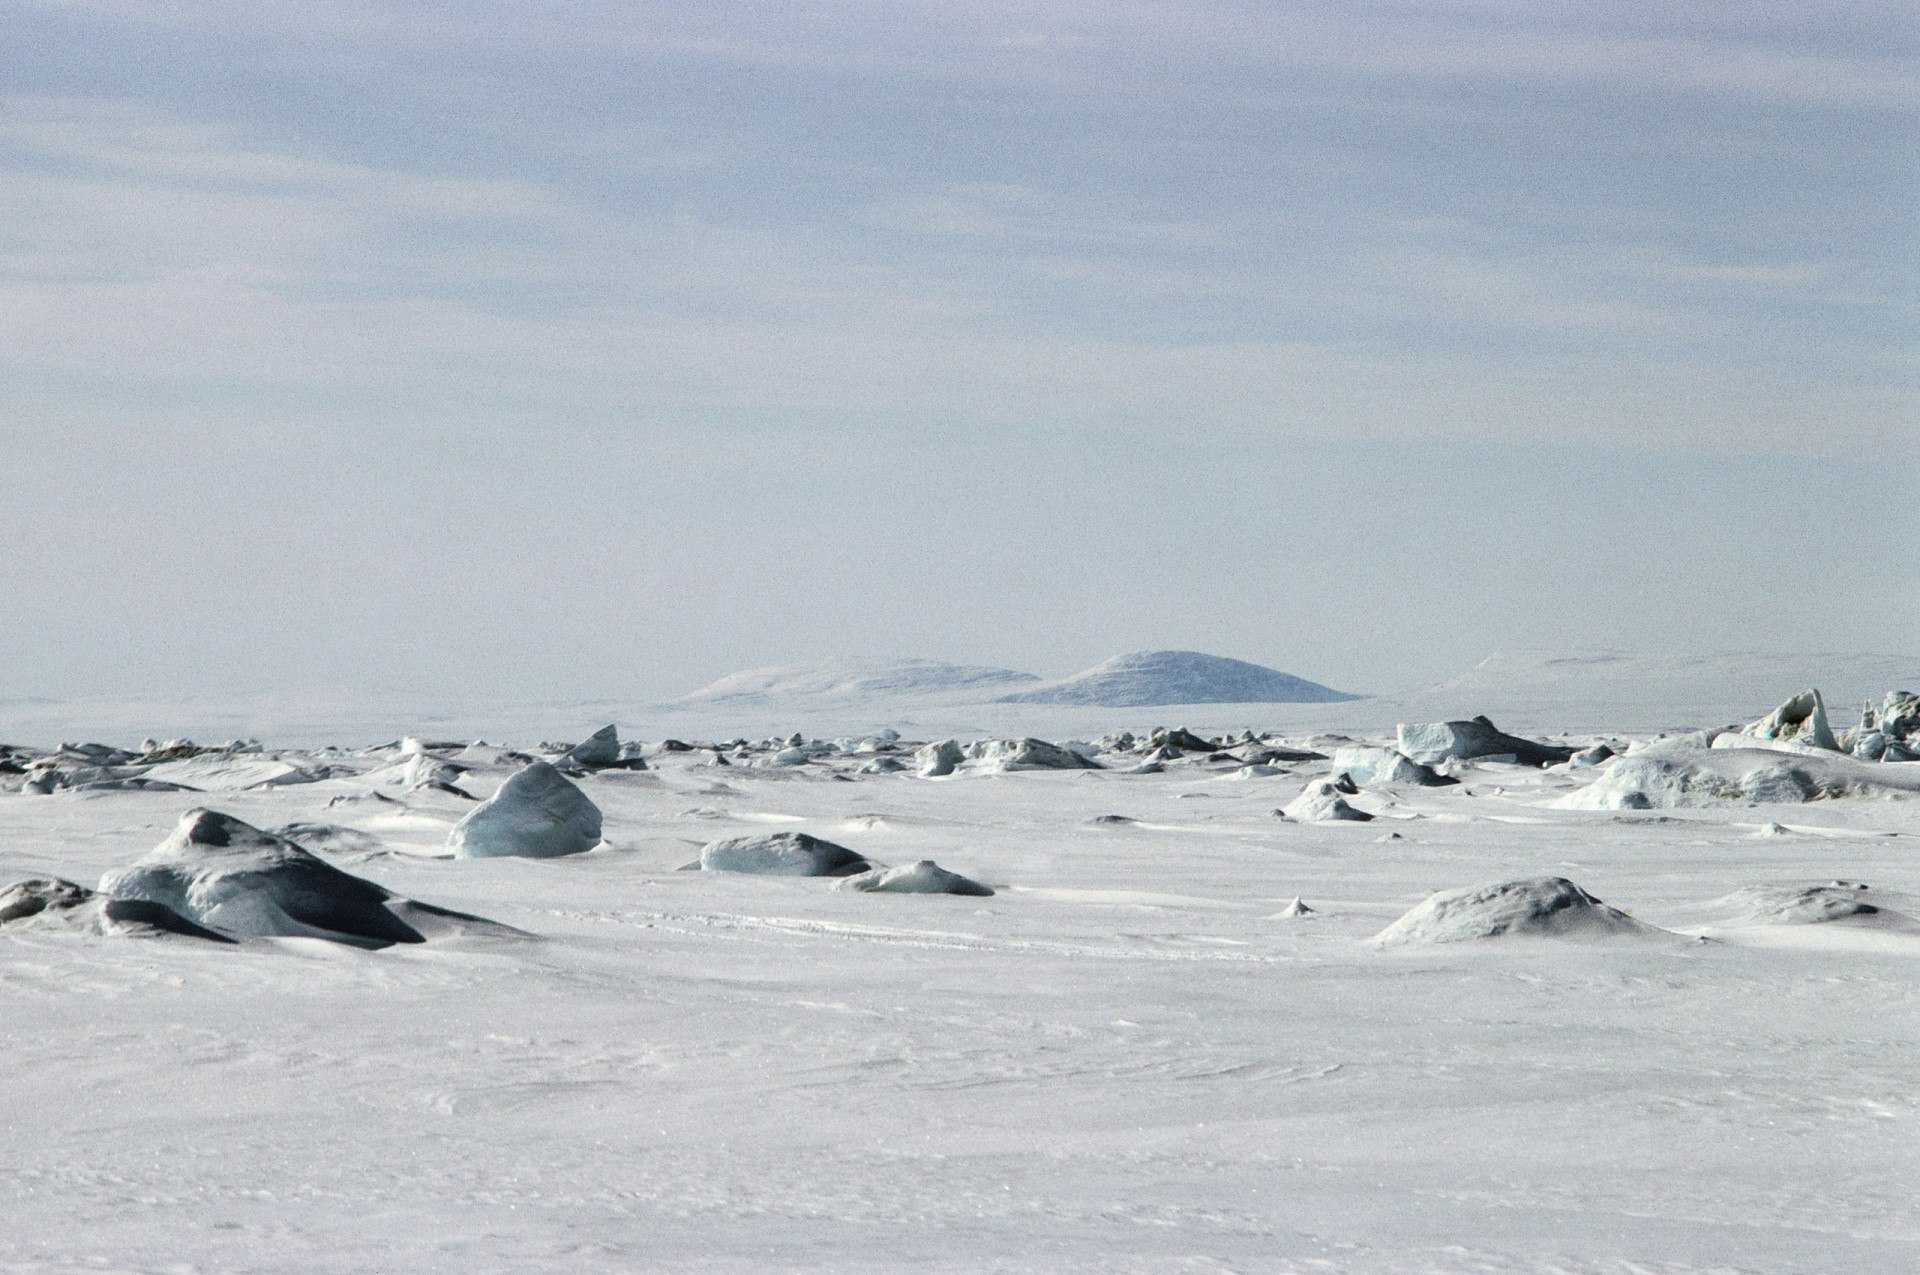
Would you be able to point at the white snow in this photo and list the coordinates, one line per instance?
(227, 772)
(1139, 1054)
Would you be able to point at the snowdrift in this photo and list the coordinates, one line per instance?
(1668, 777)
(1819, 904)
(1147, 678)
(218, 872)
(537, 814)
(1547, 907)
(782, 854)
(226, 772)
(924, 877)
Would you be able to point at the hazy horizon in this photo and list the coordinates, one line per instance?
(603, 351)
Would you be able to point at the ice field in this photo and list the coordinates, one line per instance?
(1138, 1054)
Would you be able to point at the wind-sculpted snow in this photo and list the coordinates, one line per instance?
(219, 872)
(1845, 901)
(227, 772)
(1544, 907)
(1146, 678)
(537, 814)
(782, 854)
(924, 877)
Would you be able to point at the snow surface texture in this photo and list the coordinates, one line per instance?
(1543, 907)
(218, 872)
(1147, 678)
(537, 814)
(1138, 1055)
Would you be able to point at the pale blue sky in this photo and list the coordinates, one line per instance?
(600, 349)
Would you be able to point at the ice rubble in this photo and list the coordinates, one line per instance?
(227, 875)
(45, 903)
(1801, 720)
(422, 771)
(997, 756)
(1368, 764)
(537, 814)
(924, 877)
(1323, 801)
(1890, 732)
(1431, 742)
(1543, 906)
(784, 854)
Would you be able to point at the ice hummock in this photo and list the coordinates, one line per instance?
(219, 872)
(537, 814)
(1551, 907)
(782, 854)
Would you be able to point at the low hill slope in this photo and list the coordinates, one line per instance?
(928, 680)
(1147, 678)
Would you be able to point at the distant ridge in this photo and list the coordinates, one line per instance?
(1148, 678)
(861, 680)
(1755, 679)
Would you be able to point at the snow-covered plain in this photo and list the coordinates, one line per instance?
(1135, 1055)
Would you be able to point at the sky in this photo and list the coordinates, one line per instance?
(601, 349)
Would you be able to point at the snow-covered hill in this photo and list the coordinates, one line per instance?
(926, 681)
(1147, 678)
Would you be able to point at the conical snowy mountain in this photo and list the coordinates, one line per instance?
(1147, 678)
